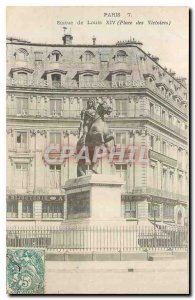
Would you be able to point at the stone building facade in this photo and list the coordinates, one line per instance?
(47, 87)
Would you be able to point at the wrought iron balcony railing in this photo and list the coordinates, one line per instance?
(160, 193)
(47, 113)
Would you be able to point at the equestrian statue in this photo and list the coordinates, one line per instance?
(93, 132)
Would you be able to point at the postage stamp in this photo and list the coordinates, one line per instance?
(25, 271)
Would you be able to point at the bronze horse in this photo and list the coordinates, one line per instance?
(97, 135)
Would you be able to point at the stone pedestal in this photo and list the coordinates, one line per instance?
(94, 200)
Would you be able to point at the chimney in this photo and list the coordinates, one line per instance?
(94, 40)
(67, 38)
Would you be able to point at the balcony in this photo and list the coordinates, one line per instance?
(42, 83)
(148, 114)
(43, 113)
(52, 215)
(166, 123)
(27, 215)
(12, 215)
(46, 113)
(159, 193)
(163, 158)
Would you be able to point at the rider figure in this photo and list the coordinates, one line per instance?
(87, 117)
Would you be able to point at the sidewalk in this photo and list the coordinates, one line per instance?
(137, 277)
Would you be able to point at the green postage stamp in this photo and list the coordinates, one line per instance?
(25, 271)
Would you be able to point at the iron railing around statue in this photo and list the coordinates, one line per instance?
(100, 238)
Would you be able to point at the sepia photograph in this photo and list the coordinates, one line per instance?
(97, 150)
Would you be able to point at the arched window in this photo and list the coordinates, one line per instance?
(179, 217)
(121, 56)
(55, 55)
(87, 56)
(21, 54)
(56, 80)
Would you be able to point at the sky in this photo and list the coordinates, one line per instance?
(169, 42)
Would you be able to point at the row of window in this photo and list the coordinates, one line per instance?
(54, 179)
(154, 211)
(56, 210)
(167, 149)
(167, 90)
(56, 78)
(22, 176)
(167, 180)
(166, 118)
(56, 55)
(121, 139)
(56, 108)
(49, 210)
(88, 56)
(87, 78)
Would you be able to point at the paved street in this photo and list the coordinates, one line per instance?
(113, 277)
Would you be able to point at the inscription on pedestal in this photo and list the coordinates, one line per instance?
(78, 205)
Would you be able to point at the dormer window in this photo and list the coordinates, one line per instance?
(169, 93)
(55, 77)
(177, 98)
(21, 54)
(162, 87)
(56, 80)
(121, 56)
(149, 78)
(55, 56)
(87, 56)
(88, 78)
(22, 77)
(121, 77)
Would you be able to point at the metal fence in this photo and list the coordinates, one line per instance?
(123, 238)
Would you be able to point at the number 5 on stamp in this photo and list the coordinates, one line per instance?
(25, 271)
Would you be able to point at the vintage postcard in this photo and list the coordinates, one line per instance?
(97, 150)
